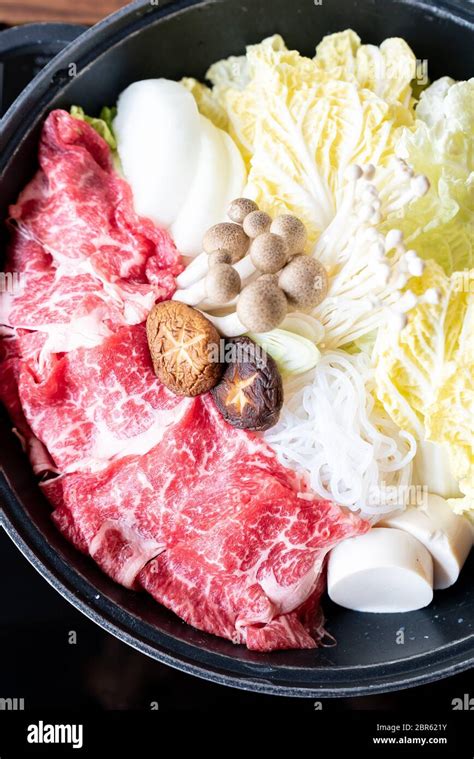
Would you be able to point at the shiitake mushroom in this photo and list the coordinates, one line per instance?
(250, 392)
(183, 344)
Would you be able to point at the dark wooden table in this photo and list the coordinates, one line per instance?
(68, 11)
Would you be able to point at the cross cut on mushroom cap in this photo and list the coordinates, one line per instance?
(250, 393)
(236, 394)
(182, 345)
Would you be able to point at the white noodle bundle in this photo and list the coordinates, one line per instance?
(331, 428)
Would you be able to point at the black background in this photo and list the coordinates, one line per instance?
(100, 673)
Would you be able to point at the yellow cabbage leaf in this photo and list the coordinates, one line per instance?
(425, 373)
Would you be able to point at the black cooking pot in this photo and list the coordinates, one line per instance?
(173, 39)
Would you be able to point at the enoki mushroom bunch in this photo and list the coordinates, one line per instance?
(369, 269)
(255, 266)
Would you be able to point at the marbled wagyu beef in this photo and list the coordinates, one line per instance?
(159, 490)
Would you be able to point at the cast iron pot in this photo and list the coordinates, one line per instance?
(183, 38)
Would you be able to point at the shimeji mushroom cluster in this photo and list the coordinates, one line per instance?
(256, 266)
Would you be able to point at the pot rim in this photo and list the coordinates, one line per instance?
(423, 668)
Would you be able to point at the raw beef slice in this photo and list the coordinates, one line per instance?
(80, 210)
(98, 404)
(89, 264)
(237, 544)
(9, 371)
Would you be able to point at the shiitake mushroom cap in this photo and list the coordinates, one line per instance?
(250, 392)
(183, 345)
